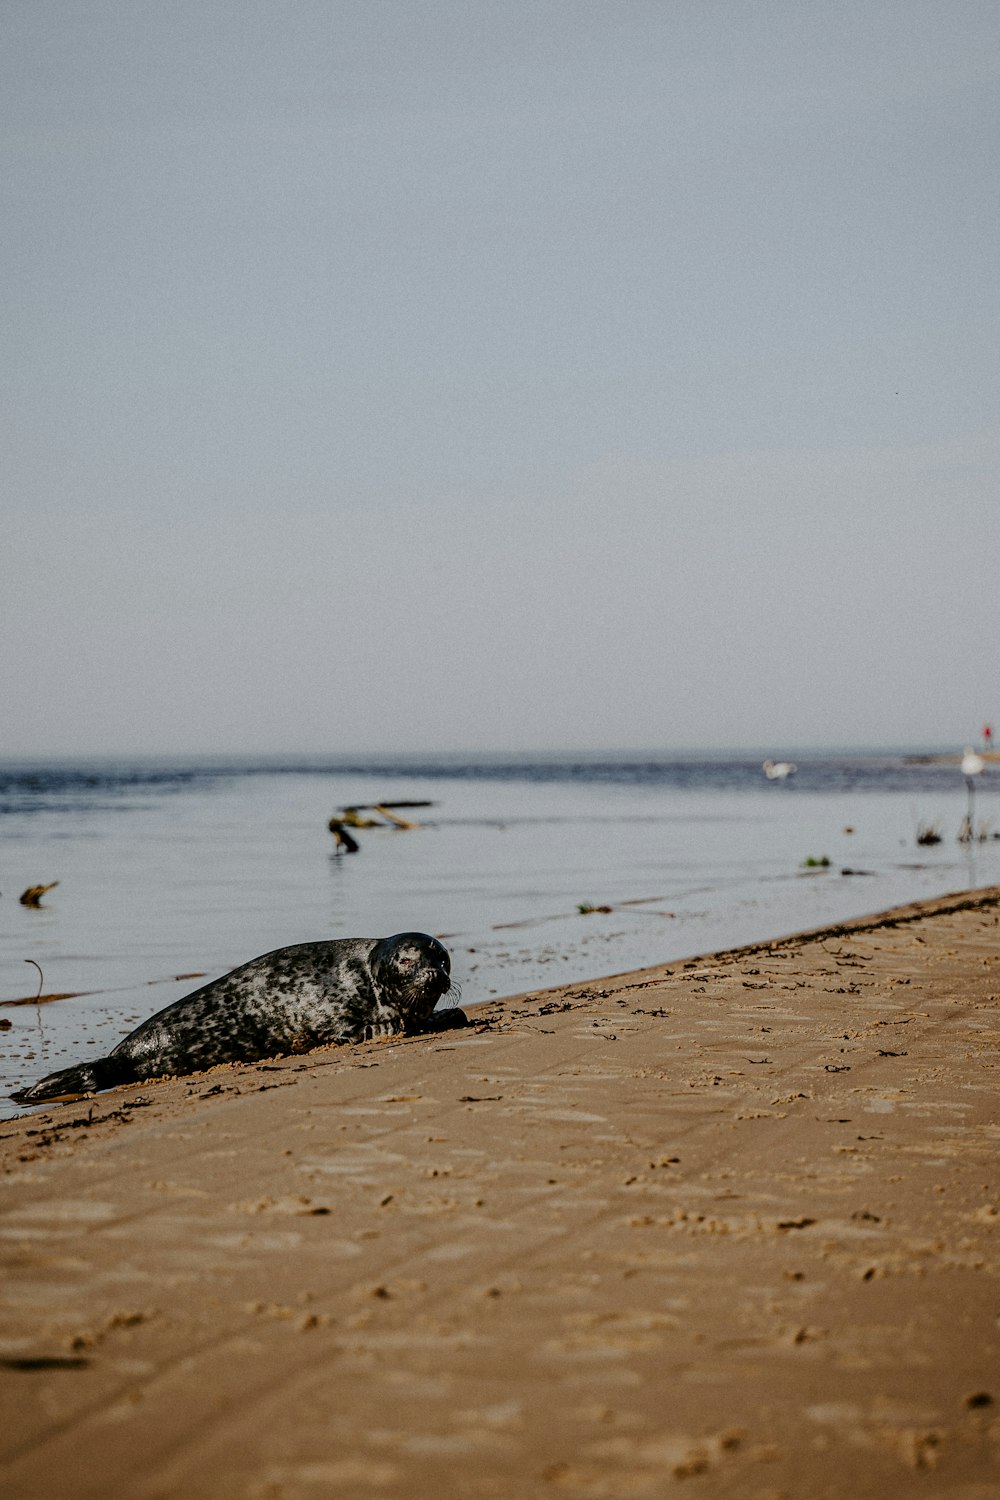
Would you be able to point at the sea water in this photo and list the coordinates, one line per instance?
(170, 871)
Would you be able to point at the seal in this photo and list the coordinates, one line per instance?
(290, 1000)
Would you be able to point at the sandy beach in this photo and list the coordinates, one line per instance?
(723, 1228)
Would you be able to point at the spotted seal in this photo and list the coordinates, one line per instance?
(290, 1000)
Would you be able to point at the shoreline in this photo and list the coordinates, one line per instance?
(153, 885)
(730, 1220)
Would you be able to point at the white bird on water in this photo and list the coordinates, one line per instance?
(779, 770)
(973, 765)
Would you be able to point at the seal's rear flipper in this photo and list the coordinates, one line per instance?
(72, 1083)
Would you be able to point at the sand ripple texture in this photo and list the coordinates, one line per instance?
(726, 1228)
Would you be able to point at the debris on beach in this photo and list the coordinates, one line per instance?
(812, 863)
(929, 833)
(33, 895)
(585, 908)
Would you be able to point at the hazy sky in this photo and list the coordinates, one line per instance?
(539, 373)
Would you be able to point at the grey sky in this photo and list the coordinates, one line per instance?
(461, 375)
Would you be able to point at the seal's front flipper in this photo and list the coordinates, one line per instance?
(73, 1083)
(446, 1020)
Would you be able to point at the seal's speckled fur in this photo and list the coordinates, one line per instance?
(348, 990)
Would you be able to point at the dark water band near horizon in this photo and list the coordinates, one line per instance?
(186, 867)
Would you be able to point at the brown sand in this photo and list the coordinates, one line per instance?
(724, 1228)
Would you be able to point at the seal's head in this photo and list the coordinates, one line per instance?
(413, 971)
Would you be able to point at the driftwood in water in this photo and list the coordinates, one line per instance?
(33, 895)
(46, 999)
(345, 844)
(586, 909)
(393, 817)
(350, 817)
(379, 806)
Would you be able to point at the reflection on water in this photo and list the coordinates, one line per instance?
(185, 869)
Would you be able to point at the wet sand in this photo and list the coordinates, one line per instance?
(724, 1228)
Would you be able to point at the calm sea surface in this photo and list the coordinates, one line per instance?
(192, 867)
